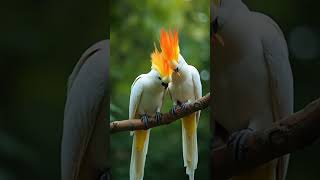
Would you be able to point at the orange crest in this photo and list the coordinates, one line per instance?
(169, 43)
(160, 64)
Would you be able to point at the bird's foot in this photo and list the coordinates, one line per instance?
(174, 109)
(145, 120)
(184, 105)
(158, 117)
(181, 105)
(238, 142)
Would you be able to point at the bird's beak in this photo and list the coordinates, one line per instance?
(165, 85)
(214, 31)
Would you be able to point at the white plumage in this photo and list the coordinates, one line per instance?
(186, 87)
(146, 97)
(252, 78)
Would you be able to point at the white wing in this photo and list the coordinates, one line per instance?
(135, 96)
(85, 136)
(280, 77)
(196, 85)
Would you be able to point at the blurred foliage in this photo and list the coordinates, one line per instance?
(41, 41)
(132, 40)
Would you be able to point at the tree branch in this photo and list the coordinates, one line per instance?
(286, 136)
(167, 118)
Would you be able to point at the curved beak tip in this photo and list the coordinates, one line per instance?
(165, 85)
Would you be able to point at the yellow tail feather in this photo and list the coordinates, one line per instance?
(189, 123)
(139, 153)
(190, 147)
(140, 139)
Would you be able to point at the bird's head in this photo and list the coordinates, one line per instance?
(215, 24)
(169, 43)
(162, 66)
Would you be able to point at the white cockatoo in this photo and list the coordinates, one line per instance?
(184, 87)
(85, 139)
(146, 98)
(252, 79)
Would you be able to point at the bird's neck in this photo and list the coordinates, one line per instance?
(152, 72)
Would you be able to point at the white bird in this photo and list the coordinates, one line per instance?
(146, 98)
(252, 79)
(184, 88)
(85, 140)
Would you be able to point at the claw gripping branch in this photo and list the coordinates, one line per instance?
(167, 118)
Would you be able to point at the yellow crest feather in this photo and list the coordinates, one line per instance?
(160, 64)
(169, 43)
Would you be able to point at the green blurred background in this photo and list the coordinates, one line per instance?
(41, 41)
(135, 26)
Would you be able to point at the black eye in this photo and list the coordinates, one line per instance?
(159, 78)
